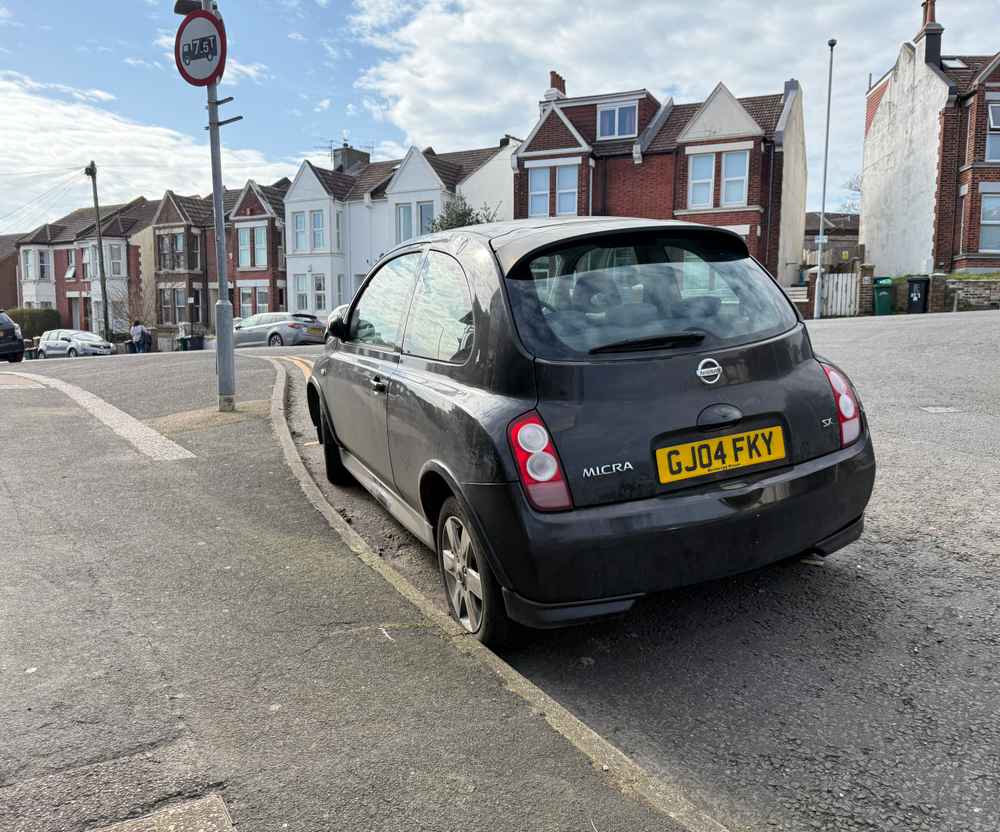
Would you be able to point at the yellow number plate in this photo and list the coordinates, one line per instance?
(724, 453)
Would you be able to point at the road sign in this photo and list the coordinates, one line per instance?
(200, 48)
(822, 238)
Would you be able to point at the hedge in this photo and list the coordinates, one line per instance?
(35, 321)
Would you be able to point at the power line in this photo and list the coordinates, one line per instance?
(28, 173)
(50, 196)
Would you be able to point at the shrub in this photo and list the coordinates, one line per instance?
(458, 213)
(34, 322)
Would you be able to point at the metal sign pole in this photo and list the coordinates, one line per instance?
(818, 298)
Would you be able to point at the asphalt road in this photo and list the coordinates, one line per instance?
(857, 693)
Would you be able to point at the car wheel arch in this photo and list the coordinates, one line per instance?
(312, 401)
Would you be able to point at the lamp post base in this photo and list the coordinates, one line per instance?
(227, 404)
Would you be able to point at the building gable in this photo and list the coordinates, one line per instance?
(874, 99)
(306, 185)
(552, 133)
(168, 212)
(720, 117)
(414, 174)
(249, 203)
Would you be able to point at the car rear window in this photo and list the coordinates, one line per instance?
(582, 296)
(5, 319)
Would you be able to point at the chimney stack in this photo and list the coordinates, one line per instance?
(930, 34)
(557, 86)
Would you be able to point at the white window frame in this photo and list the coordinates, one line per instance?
(982, 222)
(745, 179)
(246, 302)
(339, 230)
(70, 264)
(617, 108)
(241, 248)
(399, 225)
(117, 267)
(546, 176)
(319, 294)
(265, 306)
(196, 251)
(993, 133)
(575, 189)
(301, 285)
(44, 270)
(259, 262)
(86, 263)
(341, 289)
(300, 243)
(27, 267)
(421, 205)
(314, 246)
(692, 182)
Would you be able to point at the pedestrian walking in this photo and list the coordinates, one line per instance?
(139, 335)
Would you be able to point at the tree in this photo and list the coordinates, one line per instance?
(457, 212)
(852, 197)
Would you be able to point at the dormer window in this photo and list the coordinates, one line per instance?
(993, 137)
(617, 121)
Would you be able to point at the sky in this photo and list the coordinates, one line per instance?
(86, 80)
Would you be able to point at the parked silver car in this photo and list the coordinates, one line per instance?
(69, 343)
(275, 329)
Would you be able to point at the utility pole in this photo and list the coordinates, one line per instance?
(91, 171)
(822, 210)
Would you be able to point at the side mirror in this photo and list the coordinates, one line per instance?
(237, 326)
(338, 329)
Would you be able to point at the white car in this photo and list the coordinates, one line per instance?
(69, 343)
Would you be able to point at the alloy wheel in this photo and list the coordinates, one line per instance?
(462, 574)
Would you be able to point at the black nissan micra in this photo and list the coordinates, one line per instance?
(575, 413)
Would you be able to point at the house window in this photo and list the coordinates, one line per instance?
(341, 289)
(26, 271)
(86, 263)
(961, 225)
(617, 122)
(262, 300)
(301, 292)
(260, 247)
(989, 229)
(43, 265)
(425, 214)
(319, 292)
(244, 247)
(165, 306)
(70, 265)
(299, 224)
(735, 171)
(196, 306)
(178, 240)
(163, 249)
(196, 252)
(318, 230)
(115, 250)
(701, 180)
(404, 222)
(180, 305)
(566, 176)
(246, 303)
(340, 225)
(993, 137)
(538, 192)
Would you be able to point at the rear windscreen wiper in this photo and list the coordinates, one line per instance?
(676, 339)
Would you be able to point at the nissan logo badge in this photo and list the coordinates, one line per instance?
(709, 371)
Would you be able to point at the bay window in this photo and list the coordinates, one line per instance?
(319, 292)
(989, 227)
(617, 121)
(179, 251)
(163, 248)
(735, 171)
(180, 305)
(27, 273)
(538, 192)
(43, 264)
(318, 230)
(299, 227)
(260, 247)
(566, 178)
(340, 225)
(301, 292)
(165, 305)
(701, 180)
(115, 251)
(244, 248)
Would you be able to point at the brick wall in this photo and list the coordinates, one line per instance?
(630, 190)
(969, 295)
(950, 154)
(866, 291)
(552, 135)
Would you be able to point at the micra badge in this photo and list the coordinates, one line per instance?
(610, 468)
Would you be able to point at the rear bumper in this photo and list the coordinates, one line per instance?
(11, 348)
(574, 566)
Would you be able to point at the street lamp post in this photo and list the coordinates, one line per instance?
(204, 49)
(822, 209)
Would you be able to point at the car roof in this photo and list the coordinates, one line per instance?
(512, 240)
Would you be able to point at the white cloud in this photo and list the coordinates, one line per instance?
(7, 17)
(142, 62)
(78, 93)
(457, 73)
(322, 106)
(332, 49)
(134, 158)
(389, 149)
(322, 3)
(350, 110)
(296, 36)
(236, 72)
(164, 39)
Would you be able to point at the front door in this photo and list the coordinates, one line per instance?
(358, 381)
(74, 309)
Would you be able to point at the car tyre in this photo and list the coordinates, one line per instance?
(40, 354)
(475, 600)
(276, 340)
(335, 470)
(16, 359)
(71, 353)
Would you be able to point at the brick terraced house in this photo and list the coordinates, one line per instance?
(733, 162)
(58, 265)
(930, 196)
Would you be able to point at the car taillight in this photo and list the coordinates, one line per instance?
(538, 464)
(848, 406)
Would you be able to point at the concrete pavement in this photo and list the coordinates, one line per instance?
(176, 629)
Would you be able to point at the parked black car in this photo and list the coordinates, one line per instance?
(574, 413)
(11, 342)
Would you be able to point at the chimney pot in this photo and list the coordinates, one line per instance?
(557, 82)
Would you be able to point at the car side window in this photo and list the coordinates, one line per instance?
(377, 317)
(440, 325)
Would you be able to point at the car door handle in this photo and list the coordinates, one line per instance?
(377, 384)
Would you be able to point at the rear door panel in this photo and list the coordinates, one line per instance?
(608, 417)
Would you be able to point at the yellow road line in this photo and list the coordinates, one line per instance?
(304, 364)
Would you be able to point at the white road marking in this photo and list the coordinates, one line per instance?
(142, 437)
